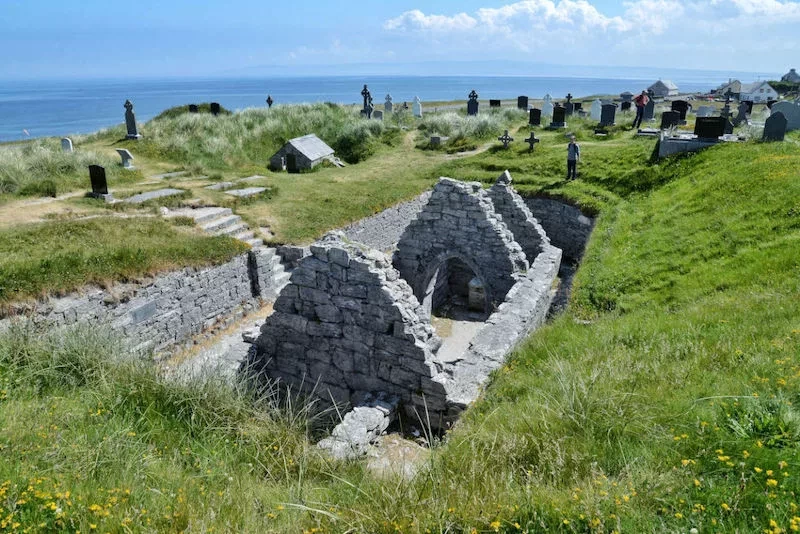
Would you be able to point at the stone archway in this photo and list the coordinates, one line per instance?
(455, 288)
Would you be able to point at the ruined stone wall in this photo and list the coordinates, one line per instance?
(519, 219)
(348, 325)
(460, 221)
(169, 308)
(566, 226)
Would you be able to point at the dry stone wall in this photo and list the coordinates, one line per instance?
(173, 307)
(347, 325)
(460, 221)
(518, 217)
(566, 226)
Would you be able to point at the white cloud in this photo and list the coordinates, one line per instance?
(416, 20)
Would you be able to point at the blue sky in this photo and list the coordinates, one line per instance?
(94, 38)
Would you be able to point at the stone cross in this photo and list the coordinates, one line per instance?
(388, 105)
(130, 121)
(215, 108)
(368, 107)
(416, 107)
(532, 141)
(472, 103)
(569, 97)
(473, 95)
(547, 106)
(505, 139)
(366, 95)
(269, 101)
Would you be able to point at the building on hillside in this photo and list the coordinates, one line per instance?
(663, 89)
(627, 96)
(734, 86)
(758, 92)
(791, 77)
(301, 153)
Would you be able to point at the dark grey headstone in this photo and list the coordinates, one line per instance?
(578, 106)
(625, 106)
(608, 114)
(214, 108)
(741, 114)
(709, 127)
(650, 110)
(570, 108)
(749, 104)
(130, 121)
(670, 119)
(494, 103)
(535, 118)
(472, 107)
(775, 127)
(682, 107)
(522, 102)
(97, 175)
(728, 126)
(559, 118)
(193, 108)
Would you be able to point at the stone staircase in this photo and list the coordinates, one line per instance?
(220, 221)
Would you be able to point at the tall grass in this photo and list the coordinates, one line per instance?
(458, 126)
(41, 168)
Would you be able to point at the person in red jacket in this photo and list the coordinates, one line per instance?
(640, 101)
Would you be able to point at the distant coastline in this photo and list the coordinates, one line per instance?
(61, 108)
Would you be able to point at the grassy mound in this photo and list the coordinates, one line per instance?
(61, 257)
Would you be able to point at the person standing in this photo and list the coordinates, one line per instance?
(641, 102)
(573, 156)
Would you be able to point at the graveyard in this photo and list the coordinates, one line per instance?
(661, 397)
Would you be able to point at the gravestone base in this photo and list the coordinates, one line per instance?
(107, 197)
(556, 126)
(135, 137)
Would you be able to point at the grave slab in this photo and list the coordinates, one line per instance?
(152, 195)
(246, 192)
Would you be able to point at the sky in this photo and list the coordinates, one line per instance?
(208, 38)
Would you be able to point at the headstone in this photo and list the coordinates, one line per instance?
(749, 104)
(578, 106)
(193, 108)
(568, 105)
(775, 127)
(97, 175)
(532, 142)
(214, 108)
(682, 107)
(650, 110)
(494, 103)
(270, 101)
(770, 103)
(522, 102)
(547, 107)
(535, 118)
(130, 121)
(66, 145)
(505, 139)
(388, 106)
(726, 109)
(559, 118)
(728, 126)
(366, 111)
(670, 119)
(791, 112)
(705, 111)
(127, 158)
(377, 115)
(625, 106)
(741, 114)
(472, 103)
(596, 110)
(709, 127)
(416, 107)
(608, 115)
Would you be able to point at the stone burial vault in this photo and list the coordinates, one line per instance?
(354, 325)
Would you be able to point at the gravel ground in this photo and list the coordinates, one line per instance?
(383, 230)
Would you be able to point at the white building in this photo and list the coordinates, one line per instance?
(664, 88)
(758, 92)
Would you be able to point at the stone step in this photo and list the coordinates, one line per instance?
(244, 236)
(254, 242)
(233, 229)
(204, 215)
(281, 279)
(221, 222)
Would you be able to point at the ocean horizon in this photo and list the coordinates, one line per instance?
(31, 109)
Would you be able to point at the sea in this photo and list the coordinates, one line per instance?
(30, 109)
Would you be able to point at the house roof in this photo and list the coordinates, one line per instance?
(311, 147)
(791, 76)
(734, 85)
(755, 86)
(666, 83)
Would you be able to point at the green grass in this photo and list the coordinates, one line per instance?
(57, 257)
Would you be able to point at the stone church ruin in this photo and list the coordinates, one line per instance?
(353, 324)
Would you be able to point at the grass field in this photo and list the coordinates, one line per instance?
(664, 399)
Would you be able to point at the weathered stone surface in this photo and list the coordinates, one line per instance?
(152, 195)
(518, 217)
(246, 192)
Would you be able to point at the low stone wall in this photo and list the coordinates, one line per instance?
(566, 226)
(170, 308)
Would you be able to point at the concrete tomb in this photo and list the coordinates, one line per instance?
(416, 107)
(505, 139)
(608, 115)
(215, 108)
(709, 127)
(547, 106)
(775, 127)
(535, 117)
(522, 102)
(472, 103)
(596, 110)
(354, 325)
(66, 145)
(791, 111)
(130, 121)
(127, 158)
